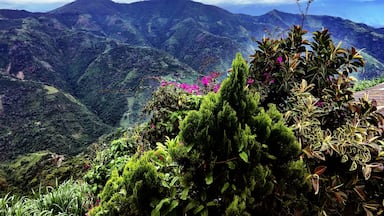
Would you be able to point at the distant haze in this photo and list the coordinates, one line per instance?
(364, 11)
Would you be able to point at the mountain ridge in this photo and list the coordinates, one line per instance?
(111, 56)
(36, 117)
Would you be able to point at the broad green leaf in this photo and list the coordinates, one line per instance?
(212, 203)
(231, 165)
(156, 210)
(191, 205)
(225, 187)
(174, 180)
(173, 205)
(184, 194)
(164, 184)
(272, 157)
(209, 178)
(244, 157)
(198, 209)
(233, 187)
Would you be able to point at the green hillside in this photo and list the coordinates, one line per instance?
(36, 117)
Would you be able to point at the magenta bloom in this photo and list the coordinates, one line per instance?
(164, 83)
(214, 75)
(280, 59)
(184, 86)
(250, 81)
(272, 81)
(319, 104)
(206, 80)
(216, 88)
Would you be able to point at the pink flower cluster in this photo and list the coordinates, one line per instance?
(250, 81)
(208, 84)
(208, 80)
(280, 59)
(190, 88)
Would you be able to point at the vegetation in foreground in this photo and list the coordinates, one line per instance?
(68, 198)
(282, 136)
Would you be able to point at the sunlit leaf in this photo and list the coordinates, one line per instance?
(225, 187)
(244, 156)
(344, 158)
(209, 178)
(353, 166)
(184, 194)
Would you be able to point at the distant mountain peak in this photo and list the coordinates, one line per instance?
(95, 1)
(171, 0)
(88, 6)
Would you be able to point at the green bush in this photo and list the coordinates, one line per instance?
(223, 162)
(69, 198)
(283, 136)
(112, 155)
(168, 106)
(341, 138)
(239, 153)
(145, 185)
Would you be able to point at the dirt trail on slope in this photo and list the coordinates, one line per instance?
(375, 92)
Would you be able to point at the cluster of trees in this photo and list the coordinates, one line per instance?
(281, 135)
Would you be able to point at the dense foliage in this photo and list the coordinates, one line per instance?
(225, 161)
(37, 170)
(236, 155)
(282, 136)
(341, 138)
(37, 117)
(68, 198)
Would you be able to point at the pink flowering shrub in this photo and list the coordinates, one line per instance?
(208, 84)
(171, 102)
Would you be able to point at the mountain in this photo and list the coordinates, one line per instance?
(111, 56)
(35, 117)
(207, 37)
(120, 81)
(46, 50)
(203, 36)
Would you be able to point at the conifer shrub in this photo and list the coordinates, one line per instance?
(240, 154)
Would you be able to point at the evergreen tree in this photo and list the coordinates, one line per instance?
(239, 153)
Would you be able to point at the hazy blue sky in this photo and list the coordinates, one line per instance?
(367, 11)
